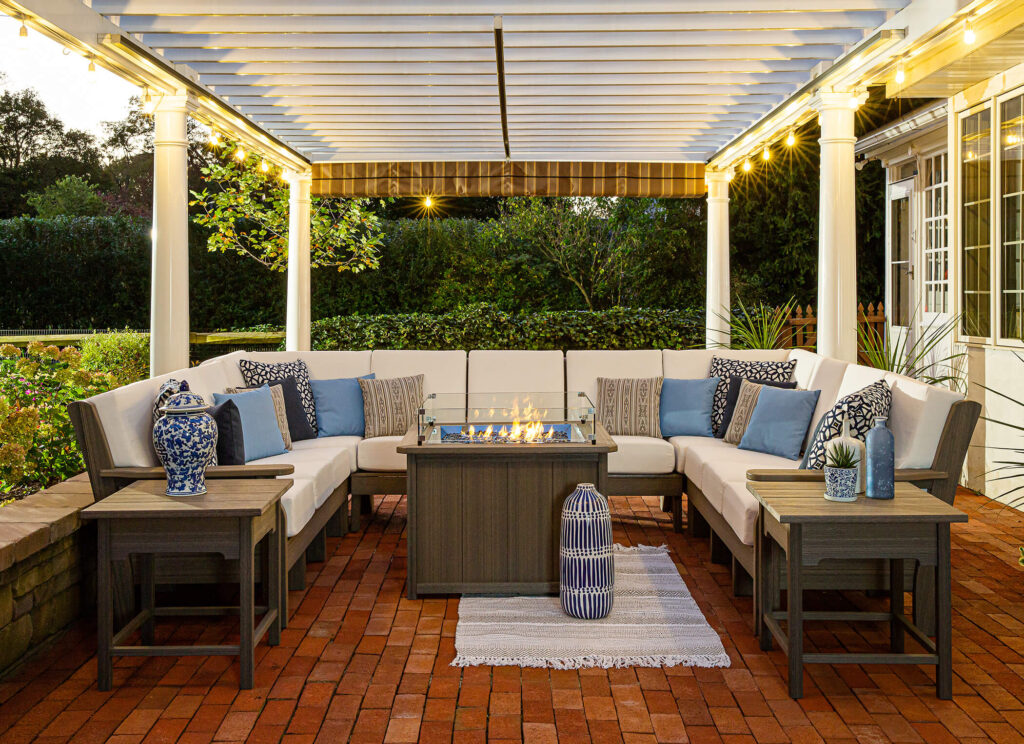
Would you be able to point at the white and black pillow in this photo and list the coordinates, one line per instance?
(724, 368)
(260, 373)
(860, 408)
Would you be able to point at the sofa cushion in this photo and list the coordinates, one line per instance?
(814, 372)
(686, 406)
(348, 444)
(630, 405)
(390, 405)
(515, 371)
(230, 442)
(582, 368)
(643, 455)
(916, 419)
(860, 407)
(724, 368)
(322, 365)
(682, 446)
(739, 510)
(325, 468)
(299, 504)
(443, 371)
(380, 453)
(857, 377)
(692, 363)
(258, 373)
(719, 467)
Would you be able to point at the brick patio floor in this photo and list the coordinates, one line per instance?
(361, 663)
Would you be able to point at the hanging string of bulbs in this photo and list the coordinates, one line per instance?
(240, 153)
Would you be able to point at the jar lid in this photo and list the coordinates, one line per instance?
(184, 402)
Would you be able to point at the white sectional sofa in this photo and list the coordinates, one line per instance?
(932, 426)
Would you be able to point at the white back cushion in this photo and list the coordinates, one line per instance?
(692, 364)
(582, 368)
(814, 372)
(443, 371)
(857, 377)
(916, 419)
(494, 371)
(323, 365)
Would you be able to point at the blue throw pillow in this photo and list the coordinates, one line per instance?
(260, 433)
(686, 407)
(779, 422)
(339, 406)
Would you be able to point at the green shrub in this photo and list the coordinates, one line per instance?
(37, 440)
(124, 354)
(484, 326)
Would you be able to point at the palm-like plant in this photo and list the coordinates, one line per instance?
(759, 326)
(915, 357)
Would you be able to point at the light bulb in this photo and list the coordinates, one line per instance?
(23, 36)
(900, 74)
(729, 175)
(264, 166)
(148, 105)
(240, 153)
(214, 139)
(969, 36)
(766, 154)
(428, 202)
(790, 139)
(92, 71)
(747, 166)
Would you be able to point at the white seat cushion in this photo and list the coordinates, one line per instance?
(682, 444)
(513, 371)
(739, 509)
(299, 505)
(325, 468)
(698, 451)
(644, 455)
(916, 419)
(349, 444)
(380, 453)
(721, 467)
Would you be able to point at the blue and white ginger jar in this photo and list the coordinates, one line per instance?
(185, 439)
(587, 564)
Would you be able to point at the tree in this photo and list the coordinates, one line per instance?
(247, 209)
(71, 196)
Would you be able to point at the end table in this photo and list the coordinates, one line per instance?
(230, 519)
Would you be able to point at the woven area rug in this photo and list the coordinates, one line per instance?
(653, 623)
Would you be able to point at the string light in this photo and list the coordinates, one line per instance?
(148, 106)
(428, 202)
(92, 70)
(240, 153)
(766, 154)
(790, 139)
(729, 175)
(214, 139)
(264, 166)
(901, 75)
(747, 166)
(23, 35)
(969, 35)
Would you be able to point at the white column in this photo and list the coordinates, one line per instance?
(837, 228)
(718, 301)
(299, 314)
(169, 320)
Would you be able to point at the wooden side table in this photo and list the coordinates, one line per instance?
(795, 520)
(230, 519)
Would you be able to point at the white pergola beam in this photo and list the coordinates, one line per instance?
(427, 78)
(557, 100)
(520, 87)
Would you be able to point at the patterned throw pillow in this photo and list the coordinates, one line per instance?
(258, 373)
(390, 404)
(860, 407)
(630, 406)
(280, 410)
(743, 410)
(749, 370)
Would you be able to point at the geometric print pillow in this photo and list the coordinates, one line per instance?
(860, 408)
(259, 373)
(723, 369)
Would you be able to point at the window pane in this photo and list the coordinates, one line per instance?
(1011, 195)
(976, 160)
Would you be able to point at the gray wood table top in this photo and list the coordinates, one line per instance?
(224, 498)
(801, 503)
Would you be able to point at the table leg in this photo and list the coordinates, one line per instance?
(246, 608)
(147, 594)
(758, 570)
(104, 607)
(272, 581)
(769, 586)
(896, 605)
(943, 617)
(282, 569)
(794, 603)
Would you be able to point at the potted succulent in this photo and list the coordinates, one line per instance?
(841, 463)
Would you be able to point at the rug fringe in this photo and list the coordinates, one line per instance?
(602, 662)
(663, 548)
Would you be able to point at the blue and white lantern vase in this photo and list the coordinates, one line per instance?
(184, 439)
(587, 564)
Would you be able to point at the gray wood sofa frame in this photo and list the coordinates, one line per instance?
(310, 543)
(940, 480)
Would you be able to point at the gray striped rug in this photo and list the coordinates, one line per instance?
(653, 623)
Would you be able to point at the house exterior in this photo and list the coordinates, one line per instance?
(954, 250)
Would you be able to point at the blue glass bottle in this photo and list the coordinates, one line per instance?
(881, 461)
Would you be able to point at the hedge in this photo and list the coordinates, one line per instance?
(485, 326)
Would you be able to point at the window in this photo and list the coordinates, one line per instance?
(899, 245)
(1011, 193)
(975, 167)
(936, 238)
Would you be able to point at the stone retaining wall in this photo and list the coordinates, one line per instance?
(47, 567)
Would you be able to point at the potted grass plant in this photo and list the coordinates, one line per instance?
(841, 462)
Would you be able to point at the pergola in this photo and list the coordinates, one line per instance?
(577, 97)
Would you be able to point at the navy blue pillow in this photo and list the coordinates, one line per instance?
(733, 394)
(298, 424)
(686, 407)
(230, 443)
(339, 406)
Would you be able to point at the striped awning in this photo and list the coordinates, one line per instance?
(509, 178)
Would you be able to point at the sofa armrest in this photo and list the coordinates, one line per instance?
(913, 475)
(214, 471)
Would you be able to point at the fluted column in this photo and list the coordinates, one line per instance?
(299, 293)
(717, 290)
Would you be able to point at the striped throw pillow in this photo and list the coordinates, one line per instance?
(630, 406)
(746, 401)
(390, 404)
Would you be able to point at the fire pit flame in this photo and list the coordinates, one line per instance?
(528, 432)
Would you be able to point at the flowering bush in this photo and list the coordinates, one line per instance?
(37, 440)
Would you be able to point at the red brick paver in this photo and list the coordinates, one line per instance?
(361, 663)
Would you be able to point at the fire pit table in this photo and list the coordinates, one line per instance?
(487, 474)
